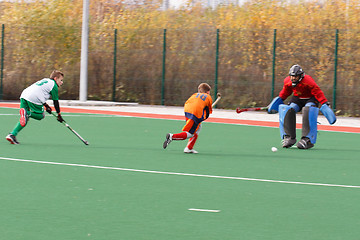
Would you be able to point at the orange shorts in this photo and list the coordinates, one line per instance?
(191, 126)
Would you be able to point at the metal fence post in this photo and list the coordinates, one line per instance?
(163, 70)
(273, 66)
(335, 67)
(114, 77)
(2, 60)
(217, 62)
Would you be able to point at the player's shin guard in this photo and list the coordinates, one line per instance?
(17, 129)
(192, 141)
(309, 124)
(287, 117)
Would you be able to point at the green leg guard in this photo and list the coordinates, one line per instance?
(17, 129)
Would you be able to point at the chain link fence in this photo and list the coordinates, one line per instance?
(153, 66)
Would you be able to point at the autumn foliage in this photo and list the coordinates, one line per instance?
(43, 35)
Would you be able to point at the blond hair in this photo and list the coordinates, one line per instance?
(56, 74)
(204, 87)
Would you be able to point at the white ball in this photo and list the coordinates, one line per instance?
(274, 149)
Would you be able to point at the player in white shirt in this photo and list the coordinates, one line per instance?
(33, 101)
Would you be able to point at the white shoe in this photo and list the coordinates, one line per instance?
(187, 150)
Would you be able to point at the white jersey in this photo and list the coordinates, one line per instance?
(39, 92)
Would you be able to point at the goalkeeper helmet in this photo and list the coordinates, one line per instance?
(295, 71)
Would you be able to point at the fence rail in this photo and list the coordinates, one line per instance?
(164, 66)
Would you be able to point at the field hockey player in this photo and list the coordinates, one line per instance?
(33, 101)
(197, 109)
(307, 95)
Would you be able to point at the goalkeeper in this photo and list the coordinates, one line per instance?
(33, 101)
(307, 96)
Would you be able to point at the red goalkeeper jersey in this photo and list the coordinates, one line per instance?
(305, 89)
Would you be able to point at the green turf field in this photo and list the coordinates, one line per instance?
(125, 186)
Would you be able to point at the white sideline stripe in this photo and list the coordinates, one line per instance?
(202, 210)
(181, 174)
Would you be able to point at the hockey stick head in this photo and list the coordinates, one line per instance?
(240, 110)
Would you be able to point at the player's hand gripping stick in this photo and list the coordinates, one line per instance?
(217, 100)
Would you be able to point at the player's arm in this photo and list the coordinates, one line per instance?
(57, 108)
(55, 97)
(210, 103)
(47, 108)
(319, 94)
(325, 105)
(206, 106)
(286, 91)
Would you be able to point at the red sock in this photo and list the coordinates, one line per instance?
(179, 136)
(192, 141)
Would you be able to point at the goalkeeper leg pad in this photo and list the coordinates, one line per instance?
(287, 119)
(309, 123)
(328, 113)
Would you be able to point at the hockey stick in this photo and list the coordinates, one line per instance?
(240, 110)
(68, 126)
(217, 100)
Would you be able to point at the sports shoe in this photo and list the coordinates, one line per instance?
(167, 140)
(304, 143)
(23, 117)
(288, 141)
(187, 150)
(12, 139)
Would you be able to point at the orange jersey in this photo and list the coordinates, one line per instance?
(198, 107)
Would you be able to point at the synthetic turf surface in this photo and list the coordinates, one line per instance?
(40, 200)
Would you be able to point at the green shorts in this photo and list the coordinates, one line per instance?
(32, 107)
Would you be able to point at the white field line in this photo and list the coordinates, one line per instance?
(203, 210)
(181, 174)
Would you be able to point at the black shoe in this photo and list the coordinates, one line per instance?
(12, 139)
(167, 140)
(304, 143)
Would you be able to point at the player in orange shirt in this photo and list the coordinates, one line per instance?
(197, 109)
